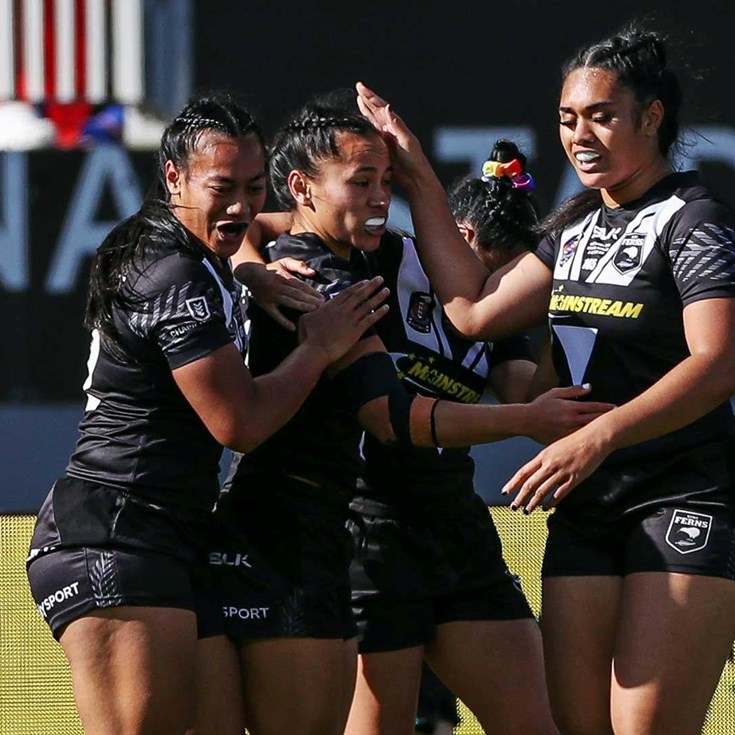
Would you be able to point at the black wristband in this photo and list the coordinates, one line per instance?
(432, 422)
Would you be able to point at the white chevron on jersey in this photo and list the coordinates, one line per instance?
(578, 344)
(641, 233)
(412, 279)
(649, 223)
(573, 242)
(235, 321)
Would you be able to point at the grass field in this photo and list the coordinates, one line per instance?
(35, 692)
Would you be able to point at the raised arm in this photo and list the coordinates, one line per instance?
(480, 306)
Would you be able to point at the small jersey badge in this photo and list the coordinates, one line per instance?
(629, 253)
(568, 249)
(688, 531)
(198, 308)
(420, 308)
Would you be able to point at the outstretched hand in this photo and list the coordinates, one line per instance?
(557, 412)
(340, 322)
(556, 470)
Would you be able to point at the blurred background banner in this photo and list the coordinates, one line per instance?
(86, 86)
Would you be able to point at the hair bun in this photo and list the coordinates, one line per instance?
(505, 151)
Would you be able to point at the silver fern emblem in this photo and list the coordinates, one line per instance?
(292, 614)
(103, 580)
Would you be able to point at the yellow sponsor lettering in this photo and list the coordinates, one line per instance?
(631, 310)
(593, 305)
(442, 383)
(417, 370)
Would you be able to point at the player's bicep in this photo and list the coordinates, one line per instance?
(218, 387)
(515, 297)
(510, 381)
(709, 326)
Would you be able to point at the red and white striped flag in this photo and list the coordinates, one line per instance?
(70, 50)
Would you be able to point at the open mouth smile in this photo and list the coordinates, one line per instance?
(232, 230)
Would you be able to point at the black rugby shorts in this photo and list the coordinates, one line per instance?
(281, 563)
(93, 548)
(673, 514)
(413, 573)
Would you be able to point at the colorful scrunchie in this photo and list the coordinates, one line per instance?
(512, 170)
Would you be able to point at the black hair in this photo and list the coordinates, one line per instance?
(219, 111)
(310, 137)
(501, 214)
(639, 61)
(155, 221)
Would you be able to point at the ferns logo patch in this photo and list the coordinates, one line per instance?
(688, 531)
(629, 253)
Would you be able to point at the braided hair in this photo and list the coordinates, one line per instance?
(503, 215)
(310, 137)
(155, 222)
(218, 112)
(639, 62)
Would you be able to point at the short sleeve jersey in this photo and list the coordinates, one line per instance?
(320, 444)
(431, 360)
(621, 278)
(138, 431)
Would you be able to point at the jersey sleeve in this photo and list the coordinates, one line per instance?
(179, 307)
(517, 347)
(546, 251)
(371, 376)
(701, 249)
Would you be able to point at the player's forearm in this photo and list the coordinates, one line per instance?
(276, 396)
(460, 425)
(694, 387)
(456, 274)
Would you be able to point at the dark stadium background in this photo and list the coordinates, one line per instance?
(461, 73)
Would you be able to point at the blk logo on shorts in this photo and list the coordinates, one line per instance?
(198, 308)
(688, 531)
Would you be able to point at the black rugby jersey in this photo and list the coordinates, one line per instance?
(321, 442)
(431, 360)
(138, 431)
(621, 278)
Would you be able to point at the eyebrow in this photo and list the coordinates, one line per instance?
(363, 169)
(229, 180)
(589, 108)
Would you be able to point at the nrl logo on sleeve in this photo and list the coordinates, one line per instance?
(198, 308)
(688, 531)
